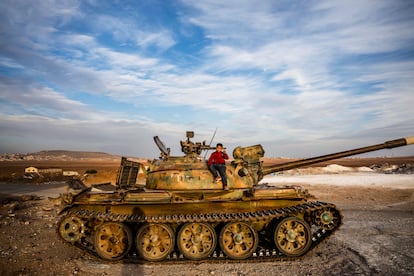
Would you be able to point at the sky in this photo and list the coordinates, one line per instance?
(302, 78)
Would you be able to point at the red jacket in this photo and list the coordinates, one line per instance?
(217, 157)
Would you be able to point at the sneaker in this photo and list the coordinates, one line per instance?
(217, 179)
(226, 188)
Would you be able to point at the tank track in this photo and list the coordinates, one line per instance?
(262, 253)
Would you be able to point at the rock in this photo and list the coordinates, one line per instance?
(28, 197)
(12, 205)
(56, 201)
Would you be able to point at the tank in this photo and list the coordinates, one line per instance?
(171, 209)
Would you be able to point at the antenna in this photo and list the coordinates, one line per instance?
(211, 141)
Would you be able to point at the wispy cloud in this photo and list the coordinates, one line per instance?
(263, 72)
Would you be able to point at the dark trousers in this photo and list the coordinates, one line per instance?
(221, 169)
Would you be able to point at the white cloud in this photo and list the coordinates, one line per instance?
(123, 60)
(235, 20)
(33, 99)
(262, 71)
(134, 32)
(124, 137)
(161, 39)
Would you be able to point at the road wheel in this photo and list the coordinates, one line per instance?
(113, 240)
(238, 240)
(292, 236)
(155, 242)
(196, 241)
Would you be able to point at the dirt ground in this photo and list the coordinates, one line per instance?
(375, 239)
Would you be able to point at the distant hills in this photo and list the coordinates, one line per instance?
(63, 155)
(74, 154)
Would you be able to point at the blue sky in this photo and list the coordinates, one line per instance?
(302, 78)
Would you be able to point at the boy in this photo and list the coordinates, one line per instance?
(217, 162)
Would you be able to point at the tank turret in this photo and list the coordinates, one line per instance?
(244, 171)
(179, 212)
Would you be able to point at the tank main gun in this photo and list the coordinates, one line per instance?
(309, 161)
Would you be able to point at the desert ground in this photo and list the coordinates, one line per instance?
(376, 237)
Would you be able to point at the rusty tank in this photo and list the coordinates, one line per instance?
(180, 213)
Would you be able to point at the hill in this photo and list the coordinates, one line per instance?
(58, 155)
(74, 154)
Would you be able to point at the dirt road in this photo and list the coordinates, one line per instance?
(375, 239)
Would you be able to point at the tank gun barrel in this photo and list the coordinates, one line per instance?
(309, 161)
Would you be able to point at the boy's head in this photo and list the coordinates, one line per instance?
(219, 147)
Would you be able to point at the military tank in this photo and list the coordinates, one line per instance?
(179, 212)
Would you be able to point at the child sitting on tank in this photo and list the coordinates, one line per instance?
(217, 165)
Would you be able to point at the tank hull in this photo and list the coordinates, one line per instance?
(246, 216)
